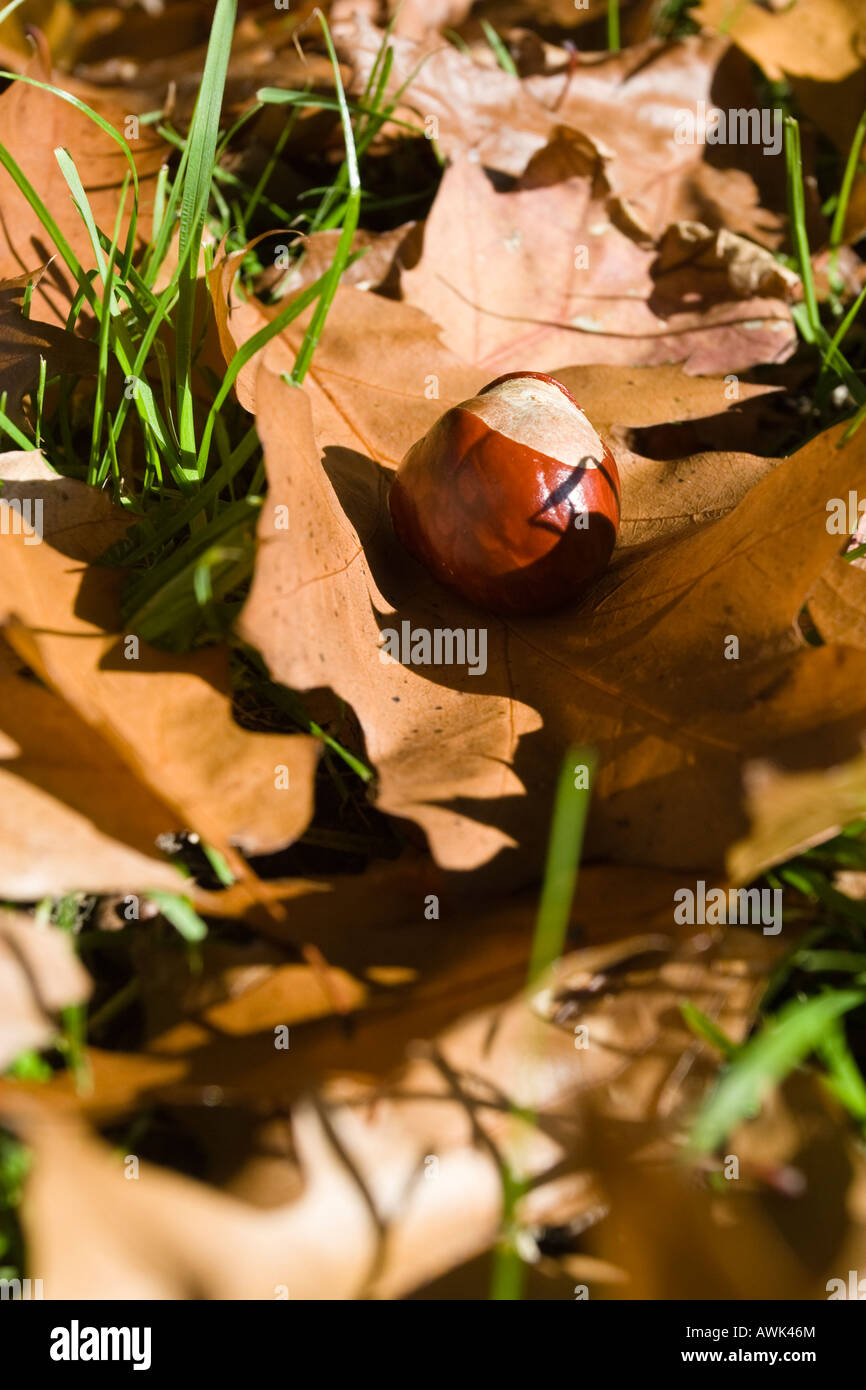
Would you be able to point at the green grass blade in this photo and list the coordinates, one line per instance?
(350, 223)
(9, 427)
(797, 217)
(563, 855)
(844, 1078)
(198, 174)
(783, 1043)
(181, 913)
(40, 399)
(104, 334)
(838, 227)
(832, 357)
(204, 130)
(704, 1027)
(503, 57)
(82, 203)
(613, 41)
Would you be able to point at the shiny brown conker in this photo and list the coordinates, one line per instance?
(512, 498)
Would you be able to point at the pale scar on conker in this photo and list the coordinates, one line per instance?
(512, 498)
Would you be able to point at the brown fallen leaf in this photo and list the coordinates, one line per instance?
(378, 268)
(152, 1234)
(549, 273)
(845, 1275)
(241, 990)
(39, 975)
(167, 718)
(638, 670)
(420, 737)
(632, 104)
(719, 1247)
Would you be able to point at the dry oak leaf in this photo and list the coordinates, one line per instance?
(713, 1249)
(638, 669)
(163, 1236)
(549, 273)
(40, 974)
(378, 267)
(168, 718)
(33, 123)
(367, 1222)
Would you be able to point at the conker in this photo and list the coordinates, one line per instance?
(512, 498)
